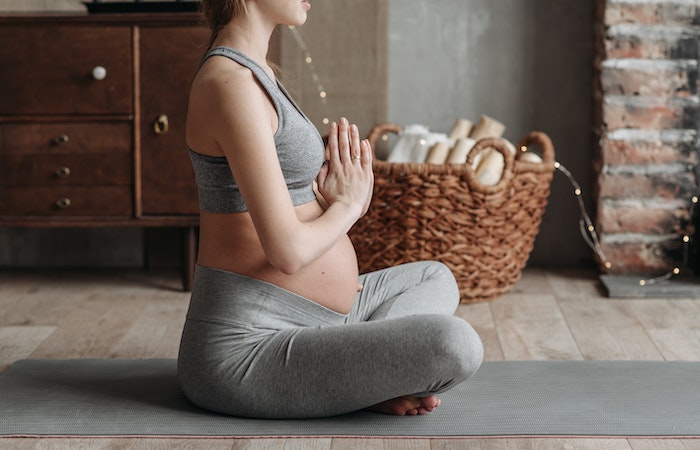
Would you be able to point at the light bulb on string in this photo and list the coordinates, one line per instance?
(590, 236)
(308, 59)
(588, 231)
(686, 240)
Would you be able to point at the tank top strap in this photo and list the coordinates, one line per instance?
(272, 88)
(242, 59)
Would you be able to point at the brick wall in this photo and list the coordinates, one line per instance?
(648, 116)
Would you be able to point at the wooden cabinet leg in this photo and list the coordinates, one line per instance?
(189, 254)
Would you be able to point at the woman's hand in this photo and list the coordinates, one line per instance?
(347, 175)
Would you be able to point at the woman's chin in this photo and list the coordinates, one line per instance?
(299, 22)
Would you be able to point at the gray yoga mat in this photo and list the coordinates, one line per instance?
(101, 397)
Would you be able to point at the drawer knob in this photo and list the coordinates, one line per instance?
(161, 125)
(63, 203)
(63, 171)
(60, 140)
(99, 73)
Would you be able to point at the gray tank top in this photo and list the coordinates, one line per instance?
(299, 145)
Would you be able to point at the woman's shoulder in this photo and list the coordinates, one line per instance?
(225, 87)
(220, 74)
(226, 98)
(221, 94)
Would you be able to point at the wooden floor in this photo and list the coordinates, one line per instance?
(549, 315)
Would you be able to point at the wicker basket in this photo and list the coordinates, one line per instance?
(442, 212)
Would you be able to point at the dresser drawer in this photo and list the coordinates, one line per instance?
(66, 201)
(66, 69)
(62, 138)
(111, 169)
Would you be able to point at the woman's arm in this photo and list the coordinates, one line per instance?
(243, 125)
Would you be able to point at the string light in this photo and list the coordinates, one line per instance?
(590, 235)
(322, 94)
(588, 231)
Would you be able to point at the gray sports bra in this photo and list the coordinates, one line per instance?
(299, 148)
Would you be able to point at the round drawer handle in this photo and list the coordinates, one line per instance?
(63, 171)
(161, 125)
(99, 73)
(60, 140)
(63, 203)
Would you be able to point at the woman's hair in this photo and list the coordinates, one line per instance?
(218, 13)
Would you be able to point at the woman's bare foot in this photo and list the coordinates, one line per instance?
(407, 405)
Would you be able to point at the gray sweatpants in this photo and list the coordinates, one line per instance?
(250, 348)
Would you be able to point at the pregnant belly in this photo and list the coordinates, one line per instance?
(331, 280)
(230, 242)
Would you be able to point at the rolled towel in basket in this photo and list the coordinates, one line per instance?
(458, 154)
(438, 153)
(490, 169)
(461, 129)
(487, 127)
(413, 144)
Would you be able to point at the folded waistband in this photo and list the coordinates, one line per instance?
(228, 297)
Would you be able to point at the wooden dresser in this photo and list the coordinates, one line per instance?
(92, 112)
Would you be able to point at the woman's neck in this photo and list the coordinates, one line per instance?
(248, 33)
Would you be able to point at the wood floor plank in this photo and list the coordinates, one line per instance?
(12, 289)
(17, 444)
(357, 443)
(44, 304)
(568, 283)
(18, 342)
(74, 331)
(665, 444)
(180, 444)
(308, 444)
(479, 316)
(407, 444)
(667, 314)
(531, 327)
(672, 325)
(607, 330)
(532, 281)
(83, 443)
(381, 444)
(678, 345)
(114, 325)
(170, 343)
(531, 444)
(148, 331)
(258, 444)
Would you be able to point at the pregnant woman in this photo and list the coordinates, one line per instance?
(280, 323)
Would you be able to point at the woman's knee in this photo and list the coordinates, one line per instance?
(458, 346)
(447, 282)
(443, 279)
(438, 270)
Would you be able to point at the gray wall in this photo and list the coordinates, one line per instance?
(527, 63)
